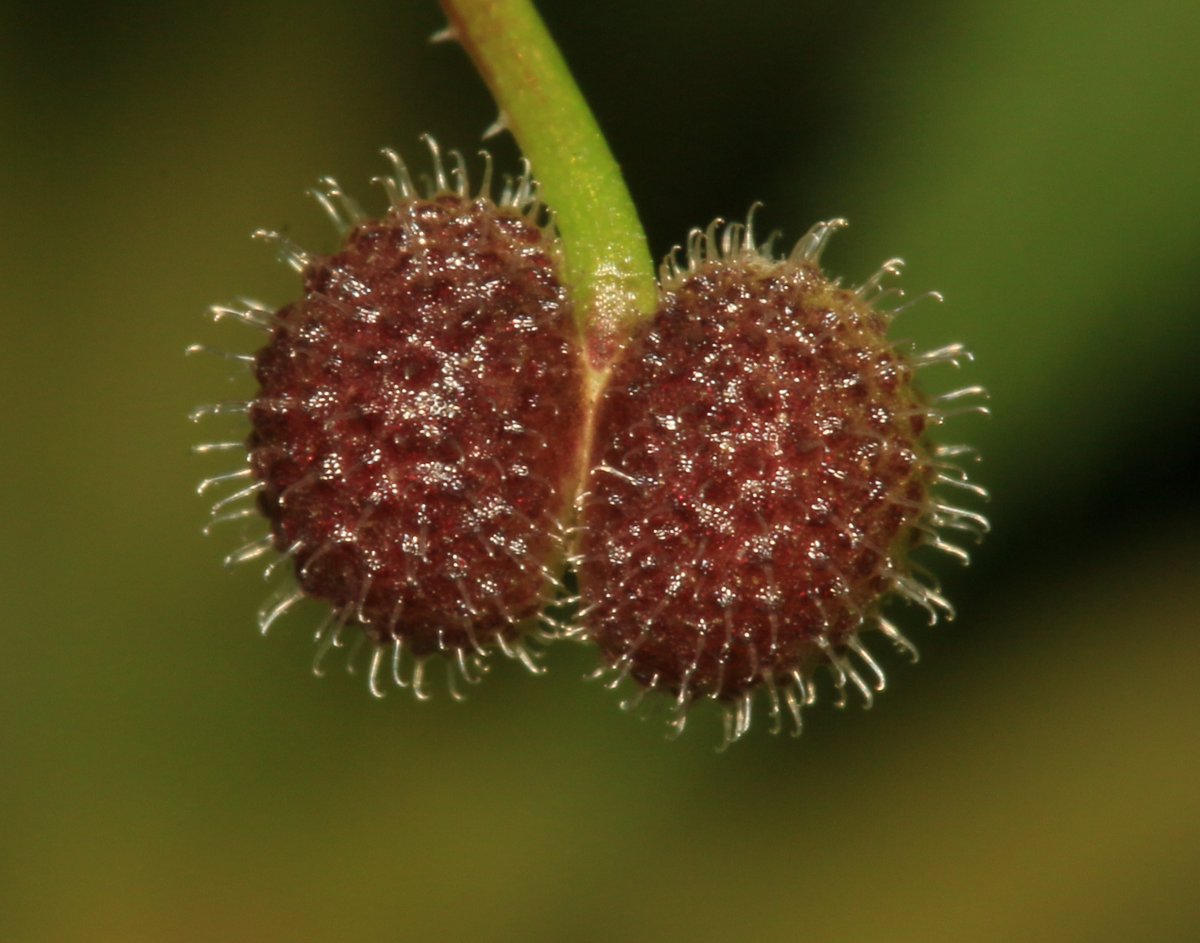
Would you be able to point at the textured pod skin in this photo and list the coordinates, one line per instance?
(417, 430)
(758, 478)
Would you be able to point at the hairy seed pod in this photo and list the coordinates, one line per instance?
(416, 435)
(759, 476)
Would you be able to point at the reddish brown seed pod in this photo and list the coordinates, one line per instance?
(760, 473)
(416, 435)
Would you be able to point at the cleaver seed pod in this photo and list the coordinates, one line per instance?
(761, 471)
(415, 440)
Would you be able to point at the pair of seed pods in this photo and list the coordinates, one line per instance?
(724, 517)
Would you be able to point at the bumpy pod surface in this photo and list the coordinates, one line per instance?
(417, 431)
(758, 478)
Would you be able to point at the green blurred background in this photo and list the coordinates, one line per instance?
(169, 775)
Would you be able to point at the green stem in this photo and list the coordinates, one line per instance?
(607, 263)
